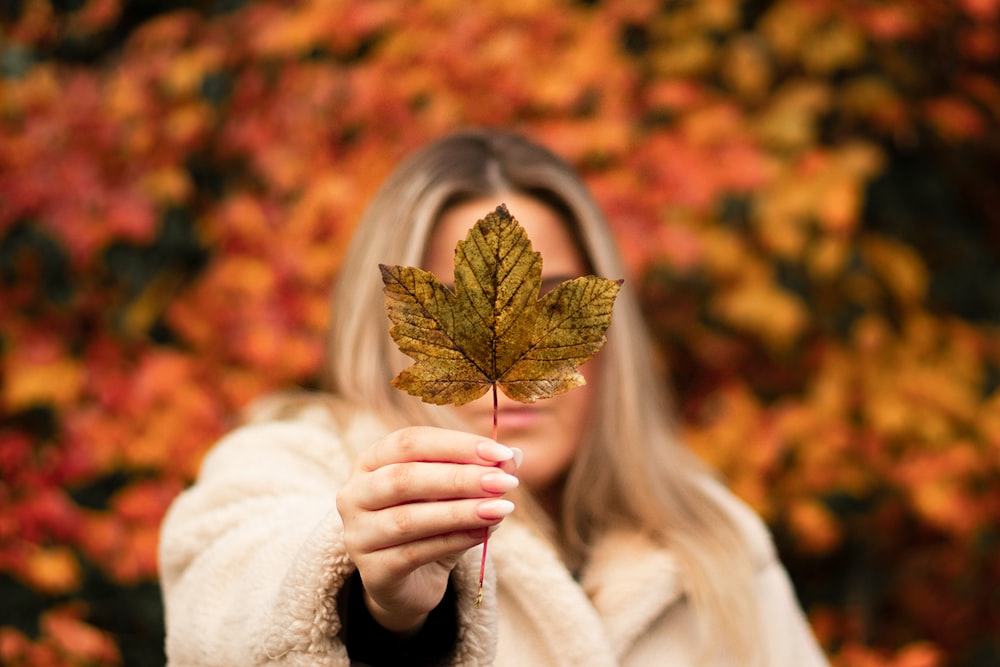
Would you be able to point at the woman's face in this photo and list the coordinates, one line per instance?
(550, 430)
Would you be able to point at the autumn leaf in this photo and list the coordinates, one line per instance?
(52, 570)
(493, 329)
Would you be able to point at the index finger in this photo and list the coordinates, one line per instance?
(430, 444)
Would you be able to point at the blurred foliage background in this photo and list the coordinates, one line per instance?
(806, 192)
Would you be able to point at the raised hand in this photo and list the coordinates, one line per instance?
(415, 501)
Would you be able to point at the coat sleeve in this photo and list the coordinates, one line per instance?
(252, 556)
(790, 640)
(786, 634)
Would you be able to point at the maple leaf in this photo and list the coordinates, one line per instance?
(493, 329)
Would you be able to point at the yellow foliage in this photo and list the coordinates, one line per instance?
(187, 123)
(988, 424)
(944, 505)
(52, 570)
(237, 280)
(835, 46)
(789, 122)
(290, 33)
(126, 98)
(820, 193)
(746, 68)
(50, 380)
(815, 527)
(723, 252)
(937, 484)
(790, 26)
(899, 266)
(687, 56)
(717, 15)
(187, 70)
(143, 311)
(784, 236)
(39, 89)
(840, 205)
(872, 97)
(731, 439)
(825, 259)
(831, 389)
(168, 185)
(713, 125)
(759, 306)
(857, 160)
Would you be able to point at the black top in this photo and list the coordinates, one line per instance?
(368, 643)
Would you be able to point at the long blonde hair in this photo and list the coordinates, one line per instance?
(631, 470)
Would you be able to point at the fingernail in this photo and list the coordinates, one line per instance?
(494, 451)
(498, 482)
(495, 508)
(518, 457)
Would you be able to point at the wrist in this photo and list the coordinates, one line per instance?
(403, 625)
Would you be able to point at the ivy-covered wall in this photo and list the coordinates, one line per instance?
(806, 192)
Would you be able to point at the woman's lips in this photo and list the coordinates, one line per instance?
(515, 418)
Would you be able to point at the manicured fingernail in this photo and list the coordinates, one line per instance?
(494, 451)
(498, 482)
(518, 457)
(495, 508)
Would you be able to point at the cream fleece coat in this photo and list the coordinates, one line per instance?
(252, 560)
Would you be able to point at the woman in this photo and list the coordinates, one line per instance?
(342, 527)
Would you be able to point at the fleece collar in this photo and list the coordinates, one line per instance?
(631, 581)
(626, 585)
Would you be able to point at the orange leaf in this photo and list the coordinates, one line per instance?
(919, 654)
(814, 526)
(899, 266)
(56, 381)
(168, 185)
(14, 645)
(840, 205)
(889, 22)
(982, 10)
(955, 119)
(79, 639)
(52, 570)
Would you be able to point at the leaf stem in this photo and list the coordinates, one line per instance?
(495, 412)
(486, 531)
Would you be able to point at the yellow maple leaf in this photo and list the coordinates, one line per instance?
(493, 330)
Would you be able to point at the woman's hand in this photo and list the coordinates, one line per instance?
(415, 501)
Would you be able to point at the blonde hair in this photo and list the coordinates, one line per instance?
(631, 470)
